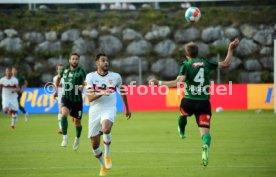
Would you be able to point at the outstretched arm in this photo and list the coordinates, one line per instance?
(228, 59)
(171, 84)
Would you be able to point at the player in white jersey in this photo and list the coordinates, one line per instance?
(10, 87)
(101, 88)
(59, 95)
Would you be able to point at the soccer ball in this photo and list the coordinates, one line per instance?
(192, 14)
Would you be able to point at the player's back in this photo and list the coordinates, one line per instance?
(197, 72)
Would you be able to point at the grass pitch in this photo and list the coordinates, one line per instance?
(243, 145)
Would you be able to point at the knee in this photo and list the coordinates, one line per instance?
(77, 123)
(95, 144)
(106, 130)
(6, 110)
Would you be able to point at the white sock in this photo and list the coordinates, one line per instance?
(107, 141)
(99, 155)
(65, 137)
(59, 121)
(13, 120)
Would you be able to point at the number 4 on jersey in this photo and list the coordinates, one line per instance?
(199, 76)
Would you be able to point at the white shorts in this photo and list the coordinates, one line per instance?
(96, 118)
(11, 103)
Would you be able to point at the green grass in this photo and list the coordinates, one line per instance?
(243, 145)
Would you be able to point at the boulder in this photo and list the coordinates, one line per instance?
(250, 77)
(110, 45)
(30, 59)
(87, 63)
(231, 32)
(130, 34)
(11, 33)
(51, 36)
(12, 44)
(6, 62)
(139, 47)
(167, 68)
(268, 63)
(116, 30)
(70, 35)
(187, 35)
(203, 49)
(236, 62)
(264, 37)
(83, 46)
(90, 33)
(130, 65)
(158, 32)
(224, 43)
(265, 51)
(248, 30)
(165, 48)
(211, 34)
(53, 62)
(50, 47)
(252, 65)
(246, 48)
(34, 37)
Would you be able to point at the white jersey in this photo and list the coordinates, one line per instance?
(8, 86)
(9, 97)
(60, 87)
(97, 83)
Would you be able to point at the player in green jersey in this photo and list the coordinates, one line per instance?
(195, 73)
(23, 83)
(71, 101)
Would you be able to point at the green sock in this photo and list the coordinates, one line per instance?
(182, 122)
(78, 130)
(206, 139)
(64, 125)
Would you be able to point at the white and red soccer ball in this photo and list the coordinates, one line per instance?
(192, 14)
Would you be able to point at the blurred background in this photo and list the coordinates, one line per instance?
(143, 40)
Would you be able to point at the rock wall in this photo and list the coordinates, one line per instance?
(160, 50)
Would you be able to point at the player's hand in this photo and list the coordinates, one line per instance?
(128, 114)
(153, 82)
(234, 44)
(55, 95)
(107, 92)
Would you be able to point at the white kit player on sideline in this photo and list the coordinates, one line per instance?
(101, 88)
(59, 95)
(10, 87)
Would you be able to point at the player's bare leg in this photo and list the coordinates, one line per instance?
(64, 125)
(106, 126)
(13, 116)
(206, 141)
(78, 134)
(59, 120)
(97, 151)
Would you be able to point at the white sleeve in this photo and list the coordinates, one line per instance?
(88, 82)
(119, 81)
(15, 81)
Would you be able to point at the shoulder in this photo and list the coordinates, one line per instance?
(115, 75)
(14, 79)
(91, 75)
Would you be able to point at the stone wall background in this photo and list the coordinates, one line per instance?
(149, 36)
